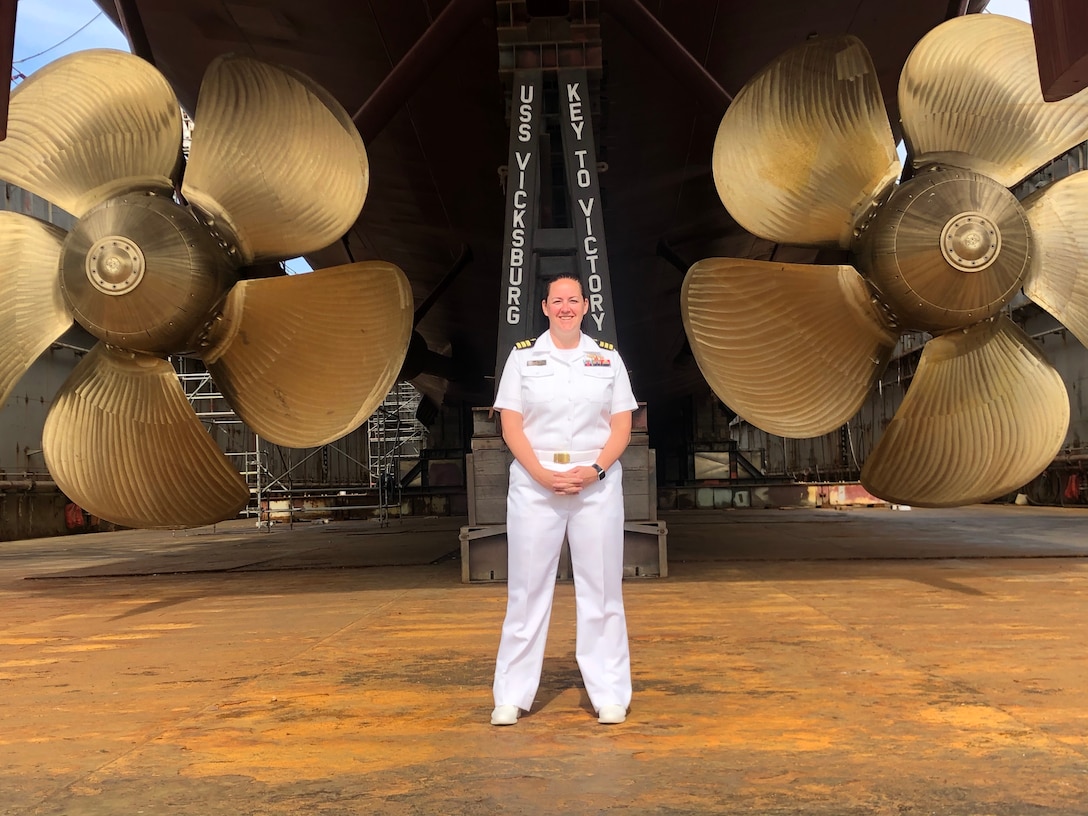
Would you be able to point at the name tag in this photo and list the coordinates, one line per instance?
(536, 362)
(594, 359)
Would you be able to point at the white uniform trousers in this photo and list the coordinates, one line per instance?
(536, 519)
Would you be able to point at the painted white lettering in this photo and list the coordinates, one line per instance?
(589, 245)
(525, 113)
(586, 206)
(574, 110)
(596, 302)
(595, 283)
(598, 318)
(583, 173)
(520, 199)
(517, 238)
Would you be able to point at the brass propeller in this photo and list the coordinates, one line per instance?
(1057, 273)
(121, 436)
(282, 341)
(32, 310)
(805, 174)
(761, 336)
(274, 160)
(90, 126)
(944, 252)
(970, 97)
(984, 414)
(99, 133)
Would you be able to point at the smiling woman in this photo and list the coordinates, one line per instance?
(566, 402)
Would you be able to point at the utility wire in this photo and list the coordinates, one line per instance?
(59, 44)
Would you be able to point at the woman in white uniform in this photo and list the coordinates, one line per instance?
(566, 403)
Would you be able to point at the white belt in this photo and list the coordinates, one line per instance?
(566, 457)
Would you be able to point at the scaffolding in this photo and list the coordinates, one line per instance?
(395, 441)
(225, 427)
(363, 471)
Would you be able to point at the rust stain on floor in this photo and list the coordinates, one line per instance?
(773, 674)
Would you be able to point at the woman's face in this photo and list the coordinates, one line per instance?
(565, 305)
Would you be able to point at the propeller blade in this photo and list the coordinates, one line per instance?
(91, 126)
(1057, 277)
(805, 149)
(970, 97)
(985, 413)
(275, 158)
(32, 312)
(793, 348)
(122, 441)
(305, 359)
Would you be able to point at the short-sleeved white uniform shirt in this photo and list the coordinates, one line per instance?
(566, 397)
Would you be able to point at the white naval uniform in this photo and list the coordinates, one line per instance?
(566, 399)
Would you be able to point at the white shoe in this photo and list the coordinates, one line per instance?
(505, 715)
(611, 715)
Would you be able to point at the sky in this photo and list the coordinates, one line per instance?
(47, 29)
(1010, 8)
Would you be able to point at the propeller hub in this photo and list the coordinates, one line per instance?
(141, 273)
(970, 242)
(115, 265)
(949, 249)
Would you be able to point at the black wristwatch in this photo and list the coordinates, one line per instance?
(601, 472)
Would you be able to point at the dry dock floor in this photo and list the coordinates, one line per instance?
(835, 662)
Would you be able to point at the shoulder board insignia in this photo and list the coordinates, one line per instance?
(524, 344)
(605, 345)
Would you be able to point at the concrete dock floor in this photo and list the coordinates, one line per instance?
(832, 662)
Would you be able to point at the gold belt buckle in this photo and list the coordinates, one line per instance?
(561, 458)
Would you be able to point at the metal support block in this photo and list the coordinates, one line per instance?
(645, 550)
(484, 553)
